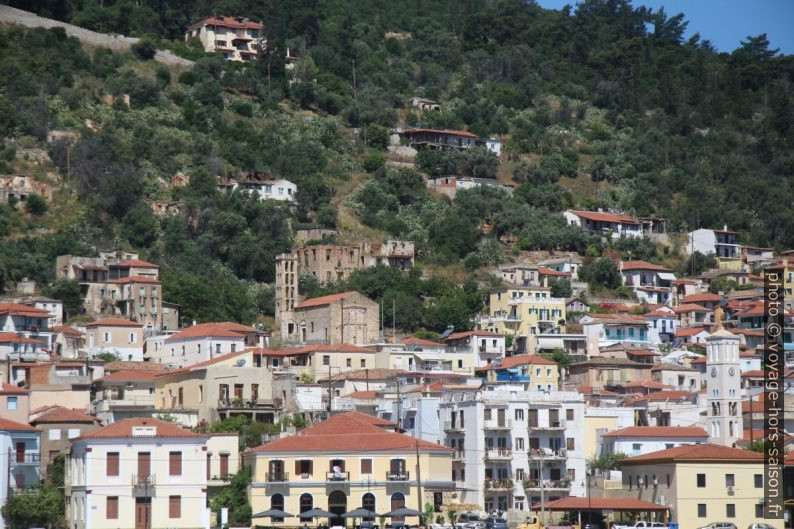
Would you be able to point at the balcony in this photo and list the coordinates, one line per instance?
(143, 486)
(499, 484)
(504, 424)
(550, 426)
(546, 454)
(340, 476)
(27, 458)
(459, 456)
(399, 475)
(241, 404)
(547, 484)
(498, 454)
(108, 405)
(453, 427)
(277, 477)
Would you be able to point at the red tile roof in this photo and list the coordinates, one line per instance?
(664, 395)
(10, 389)
(66, 329)
(572, 503)
(12, 337)
(225, 21)
(466, 334)
(130, 365)
(648, 384)
(588, 390)
(135, 279)
(759, 333)
(323, 300)
(753, 373)
(213, 329)
(700, 298)
(65, 415)
(123, 430)
(23, 310)
(11, 426)
(201, 365)
(689, 331)
(348, 433)
(129, 375)
(364, 395)
(135, 263)
(113, 322)
(597, 216)
(550, 272)
(465, 133)
(690, 307)
(659, 431)
(642, 265)
(699, 452)
(413, 340)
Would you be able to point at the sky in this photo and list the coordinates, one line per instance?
(725, 22)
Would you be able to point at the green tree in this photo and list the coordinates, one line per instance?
(68, 291)
(107, 356)
(603, 271)
(561, 288)
(235, 498)
(35, 204)
(41, 506)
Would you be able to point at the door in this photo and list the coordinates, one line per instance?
(554, 417)
(532, 417)
(500, 417)
(20, 451)
(144, 464)
(143, 513)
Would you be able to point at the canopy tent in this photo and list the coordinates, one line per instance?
(273, 513)
(361, 513)
(403, 511)
(317, 513)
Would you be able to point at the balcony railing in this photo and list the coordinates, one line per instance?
(546, 453)
(459, 455)
(547, 484)
(453, 427)
(551, 425)
(504, 424)
(26, 459)
(143, 485)
(400, 475)
(499, 484)
(498, 454)
(242, 404)
(277, 477)
(337, 476)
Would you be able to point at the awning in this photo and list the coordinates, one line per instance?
(667, 276)
(430, 356)
(599, 504)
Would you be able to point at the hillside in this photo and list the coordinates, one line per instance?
(605, 105)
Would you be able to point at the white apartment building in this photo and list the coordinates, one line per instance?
(20, 445)
(141, 469)
(514, 448)
(236, 38)
(488, 345)
(202, 342)
(641, 440)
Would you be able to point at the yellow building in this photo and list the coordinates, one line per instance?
(700, 484)
(349, 461)
(537, 372)
(523, 312)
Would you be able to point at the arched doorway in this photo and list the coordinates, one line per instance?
(277, 502)
(337, 504)
(306, 504)
(397, 502)
(368, 502)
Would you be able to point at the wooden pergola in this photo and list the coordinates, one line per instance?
(610, 505)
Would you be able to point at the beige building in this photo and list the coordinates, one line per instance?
(700, 484)
(55, 383)
(68, 342)
(225, 386)
(14, 403)
(144, 471)
(124, 394)
(346, 462)
(676, 377)
(601, 372)
(58, 427)
(236, 38)
(118, 336)
(347, 317)
(318, 361)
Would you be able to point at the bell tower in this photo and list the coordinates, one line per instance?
(723, 385)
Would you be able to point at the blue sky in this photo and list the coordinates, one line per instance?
(725, 22)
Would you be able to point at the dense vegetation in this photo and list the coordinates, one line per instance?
(601, 105)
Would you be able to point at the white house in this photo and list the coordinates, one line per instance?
(617, 224)
(139, 469)
(26, 322)
(641, 440)
(603, 330)
(488, 345)
(281, 190)
(204, 341)
(21, 461)
(649, 281)
(722, 243)
(662, 325)
(236, 38)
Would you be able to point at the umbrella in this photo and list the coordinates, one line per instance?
(273, 513)
(361, 513)
(317, 513)
(404, 511)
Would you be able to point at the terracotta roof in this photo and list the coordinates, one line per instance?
(597, 361)
(597, 216)
(135, 279)
(413, 340)
(699, 452)
(659, 431)
(9, 425)
(148, 374)
(466, 334)
(364, 395)
(669, 366)
(588, 390)
(690, 307)
(689, 331)
(10, 389)
(213, 329)
(113, 322)
(572, 503)
(323, 300)
(664, 395)
(648, 384)
(23, 310)
(549, 272)
(201, 365)
(700, 298)
(465, 133)
(229, 22)
(123, 429)
(754, 373)
(642, 265)
(135, 263)
(12, 337)
(684, 282)
(61, 414)
(641, 352)
(130, 365)
(759, 333)
(349, 433)
(518, 360)
(364, 374)
(66, 329)
(435, 387)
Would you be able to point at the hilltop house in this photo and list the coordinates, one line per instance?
(265, 188)
(724, 244)
(617, 224)
(440, 139)
(236, 38)
(650, 282)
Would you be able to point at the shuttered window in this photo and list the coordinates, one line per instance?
(224, 465)
(366, 466)
(175, 506)
(112, 464)
(112, 507)
(209, 466)
(175, 463)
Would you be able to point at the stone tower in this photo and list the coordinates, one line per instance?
(723, 385)
(286, 292)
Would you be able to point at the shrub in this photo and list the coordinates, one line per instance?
(145, 49)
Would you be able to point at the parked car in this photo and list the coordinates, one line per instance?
(760, 526)
(720, 525)
(493, 522)
(469, 521)
(641, 524)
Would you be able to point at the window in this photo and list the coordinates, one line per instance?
(568, 414)
(729, 480)
(701, 510)
(519, 415)
(759, 510)
(132, 337)
(74, 432)
(112, 507)
(759, 481)
(519, 474)
(349, 362)
(701, 480)
(106, 337)
(54, 434)
(217, 348)
(519, 443)
(174, 463)
(363, 362)
(112, 464)
(366, 466)
(234, 347)
(570, 444)
(225, 465)
(175, 506)
(303, 467)
(11, 403)
(730, 510)
(306, 504)
(326, 360)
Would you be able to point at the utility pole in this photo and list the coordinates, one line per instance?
(399, 407)
(542, 492)
(329, 389)
(419, 483)
(342, 320)
(394, 320)
(366, 372)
